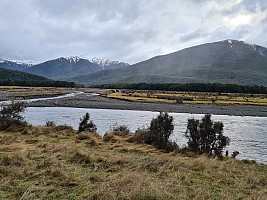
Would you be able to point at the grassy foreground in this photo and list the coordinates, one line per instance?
(56, 163)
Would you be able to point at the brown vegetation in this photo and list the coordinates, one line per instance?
(57, 163)
(189, 97)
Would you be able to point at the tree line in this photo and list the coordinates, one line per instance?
(189, 87)
(39, 83)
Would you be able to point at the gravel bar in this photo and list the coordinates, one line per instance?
(87, 100)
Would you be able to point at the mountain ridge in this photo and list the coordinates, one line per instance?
(64, 68)
(16, 64)
(227, 61)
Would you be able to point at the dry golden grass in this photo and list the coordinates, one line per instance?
(190, 97)
(47, 163)
(35, 92)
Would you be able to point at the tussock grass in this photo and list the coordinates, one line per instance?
(189, 97)
(46, 163)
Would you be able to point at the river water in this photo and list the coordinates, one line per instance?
(248, 134)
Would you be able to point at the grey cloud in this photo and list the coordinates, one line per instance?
(246, 6)
(190, 36)
(253, 6)
(124, 30)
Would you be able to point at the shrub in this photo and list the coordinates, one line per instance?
(139, 136)
(121, 130)
(64, 127)
(111, 137)
(87, 125)
(206, 136)
(50, 123)
(158, 133)
(162, 126)
(12, 115)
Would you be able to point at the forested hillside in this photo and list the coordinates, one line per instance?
(17, 78)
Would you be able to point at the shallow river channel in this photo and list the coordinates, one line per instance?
(248, 134)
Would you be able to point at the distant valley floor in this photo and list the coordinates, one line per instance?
(87, 100)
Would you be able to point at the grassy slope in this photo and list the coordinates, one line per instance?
(48, 163)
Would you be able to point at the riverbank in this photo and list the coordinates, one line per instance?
(87, 100)
(56, 163)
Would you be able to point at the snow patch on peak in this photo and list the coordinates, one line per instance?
(74, 59)
(231, 42)
(101, 62)
(19, 62)
(104, 63)
(251, 45)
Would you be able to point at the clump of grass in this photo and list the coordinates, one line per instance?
(90, 138)
(81, 158)
(8, 139)
(120, 130)
(111, 137)
(64, 127)
(13, 160)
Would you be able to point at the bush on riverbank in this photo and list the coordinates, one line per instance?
(87, 125)
(158, 133)
(206, 136)
(11, 115)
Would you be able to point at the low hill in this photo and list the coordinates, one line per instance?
(6, 74)
(13, 77)
(228, 61)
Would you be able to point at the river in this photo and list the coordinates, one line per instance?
(248, 134)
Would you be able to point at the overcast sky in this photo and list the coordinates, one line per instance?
(125, 30)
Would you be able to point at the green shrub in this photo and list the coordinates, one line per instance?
(206, 136)
(158, 133)
(87, 125)
(12, 115)
(50, 123)
(139, 136)
(121, 130)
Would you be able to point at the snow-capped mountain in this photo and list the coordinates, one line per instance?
(18, 62)
(19, 65)
(64, 68)
(105, 64)
(74, 59)
(108, 64)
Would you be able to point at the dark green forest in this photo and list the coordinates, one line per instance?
(17, 78)
(41, 83)
(189, 87)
